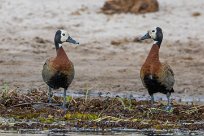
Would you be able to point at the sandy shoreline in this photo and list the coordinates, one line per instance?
(27, 31)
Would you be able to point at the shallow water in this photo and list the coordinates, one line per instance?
(80, 132)
(132, 95)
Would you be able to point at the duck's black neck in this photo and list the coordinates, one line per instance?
(158, 42)
(57, 45)
(159, 37)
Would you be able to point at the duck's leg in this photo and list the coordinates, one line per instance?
(152, 100)
(168, 107)
(64, 99)
(49, 95)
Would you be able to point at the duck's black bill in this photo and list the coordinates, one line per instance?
(70, 40)
(146, 36)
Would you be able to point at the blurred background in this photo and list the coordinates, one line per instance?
(110, 55)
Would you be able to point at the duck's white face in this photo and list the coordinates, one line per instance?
(64, 36)
(153, 33)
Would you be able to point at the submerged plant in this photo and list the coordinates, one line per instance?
(127, 103)
(81, 116)
(5, 90)
(50, 119)
(69, 99)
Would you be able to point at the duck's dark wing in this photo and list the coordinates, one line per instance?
(166, 76)
(48, 71)
(142, 75)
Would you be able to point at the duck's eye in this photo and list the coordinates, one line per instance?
(63, 34)
(153, 31)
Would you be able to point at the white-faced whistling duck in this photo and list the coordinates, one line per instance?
(156, 76)
(58, 72)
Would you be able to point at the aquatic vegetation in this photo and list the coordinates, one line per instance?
(127, 104)
(80, 116)
(31, 111)
(50, 119)
(4, 90)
